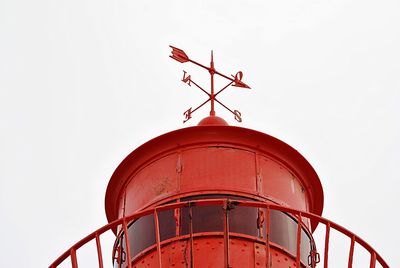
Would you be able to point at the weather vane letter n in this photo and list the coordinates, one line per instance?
(235, 80)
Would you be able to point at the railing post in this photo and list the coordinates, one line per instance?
(373, 260)
(351, 252)
(157, 230)
(298, 248)
(260, 222)
(326, 249)
(74, 261)
(263, 217)
(226, 234)
(128, 248)
(191, 235)
(177, 216)
(268, 230)
(99, 253)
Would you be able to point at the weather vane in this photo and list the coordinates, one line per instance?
(235, 80)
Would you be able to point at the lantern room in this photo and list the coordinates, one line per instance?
(208, 162)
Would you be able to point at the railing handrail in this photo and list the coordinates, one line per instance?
(125, 221)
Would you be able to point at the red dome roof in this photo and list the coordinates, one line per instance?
(212, 121)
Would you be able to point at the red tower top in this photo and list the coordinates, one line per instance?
(215, 195)
(213, 157)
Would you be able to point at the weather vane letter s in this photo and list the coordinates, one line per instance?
(234, 80)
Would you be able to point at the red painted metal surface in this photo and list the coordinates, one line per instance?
(210, 248)
(215, 195)
(211, 159)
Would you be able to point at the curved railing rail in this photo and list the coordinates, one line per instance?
(123, 223)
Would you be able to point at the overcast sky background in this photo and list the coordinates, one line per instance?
(83, 83)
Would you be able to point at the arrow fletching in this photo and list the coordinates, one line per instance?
(179, 55)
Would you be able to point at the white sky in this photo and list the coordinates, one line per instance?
(83, 83)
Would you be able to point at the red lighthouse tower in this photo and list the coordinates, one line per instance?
(215, 195)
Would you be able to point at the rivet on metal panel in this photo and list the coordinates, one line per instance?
(259, 255)
(175, 257)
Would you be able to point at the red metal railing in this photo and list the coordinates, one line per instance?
(122, 224)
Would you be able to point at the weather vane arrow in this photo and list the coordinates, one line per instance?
(235, 80)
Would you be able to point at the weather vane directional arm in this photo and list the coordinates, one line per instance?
(235, 80)
(199, 87)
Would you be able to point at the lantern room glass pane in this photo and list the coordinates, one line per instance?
(283, 230)
(205, 219)
(141, 234)
(211, 218)
(167, 224)
(243, 220)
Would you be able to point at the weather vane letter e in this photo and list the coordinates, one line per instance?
(234, 80)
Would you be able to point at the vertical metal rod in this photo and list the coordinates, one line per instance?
(260, 222)
(258, 173)
(191, 235)
(119, 250)
(326, 249)
(226, 234)
(268, 225)
(157, 230)
(99, 253)
(351, 252)
(373, 260)
(177, 216)
(298, 249)
(74, 261)
(212, 96)
(128, 247)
